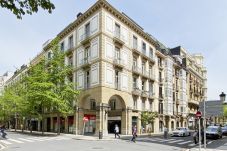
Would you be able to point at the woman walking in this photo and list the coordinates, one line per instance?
(134, 134)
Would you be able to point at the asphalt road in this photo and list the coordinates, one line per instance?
(21, 142)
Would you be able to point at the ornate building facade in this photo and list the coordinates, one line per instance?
(121, 71)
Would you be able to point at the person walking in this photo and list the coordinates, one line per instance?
(2, 130)
(134, 134)
(116, 131)
(165, 132)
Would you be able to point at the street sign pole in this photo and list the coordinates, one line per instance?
(204, 121)
(199, 136)
(198, 115)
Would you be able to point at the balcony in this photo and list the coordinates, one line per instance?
(144, 55)
(136, 70)
(135, 49)
(194, 102)
(145, 73)
(152, 58)
(69, 50)
(86, 85)
(161, 96)
(86, 63)
(161, 65)
(151, 76)
(177, 101)
(144, 93)
(151, 95)
(118, 62)
(118, 39)
(161, 80)
(117, 85)
(85, 39)
(177, 113)
(136, 91)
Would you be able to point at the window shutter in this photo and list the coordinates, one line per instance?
(94, 49)
(94, 24)
(109, 24)
(124, 81)
(95, 74)
(80, 80)
(80, 56)
(109, 50)
(124, 32)
(80, 33)
(124, 57)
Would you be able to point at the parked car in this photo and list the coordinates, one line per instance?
(214, 132)
(224, 130)
(181, 131)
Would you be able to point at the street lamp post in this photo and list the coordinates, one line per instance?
(222, 98)
(204, 122)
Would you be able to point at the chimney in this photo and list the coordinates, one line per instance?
(79, 14)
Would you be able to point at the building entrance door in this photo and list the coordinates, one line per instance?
(111, 125)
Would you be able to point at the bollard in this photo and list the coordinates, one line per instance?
(100, 135)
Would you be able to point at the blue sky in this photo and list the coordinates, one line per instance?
(197, 25)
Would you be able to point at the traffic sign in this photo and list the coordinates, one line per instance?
(198, 114)
(85, 119)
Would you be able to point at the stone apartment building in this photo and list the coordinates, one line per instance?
(121, 71)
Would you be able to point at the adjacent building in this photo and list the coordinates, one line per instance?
(121, 70)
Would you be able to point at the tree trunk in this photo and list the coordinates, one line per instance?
(42, 124)
(42, 120)
(30, 125)
(58, 123)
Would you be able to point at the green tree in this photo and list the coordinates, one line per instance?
(64, 89)
(39, 94)
(148, 117)
(225, 110)
(12, 102)
(22, 7)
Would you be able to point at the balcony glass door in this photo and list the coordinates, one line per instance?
(117, 30)
(87, 29)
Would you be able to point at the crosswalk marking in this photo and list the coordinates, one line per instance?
(192, 144)
(182, 143)
(13, 140)
(37, 138)
(175, 141)
(5, 142)
(10, 141)
(27, 140)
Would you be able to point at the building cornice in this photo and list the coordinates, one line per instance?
(104, 4)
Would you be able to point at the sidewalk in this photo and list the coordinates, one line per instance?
(82, 137)
(202, 149)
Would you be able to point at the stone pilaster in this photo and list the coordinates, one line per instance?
(129, 121)
(101, 119)
(124, 122)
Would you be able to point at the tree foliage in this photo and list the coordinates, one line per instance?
(225, 110)
(148, 117)
(44, 87)
(22, 7)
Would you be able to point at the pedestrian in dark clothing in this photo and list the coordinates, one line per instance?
(2, 130)
(116, 131)
(134, 134)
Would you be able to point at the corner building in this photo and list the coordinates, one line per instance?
(121, 71)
